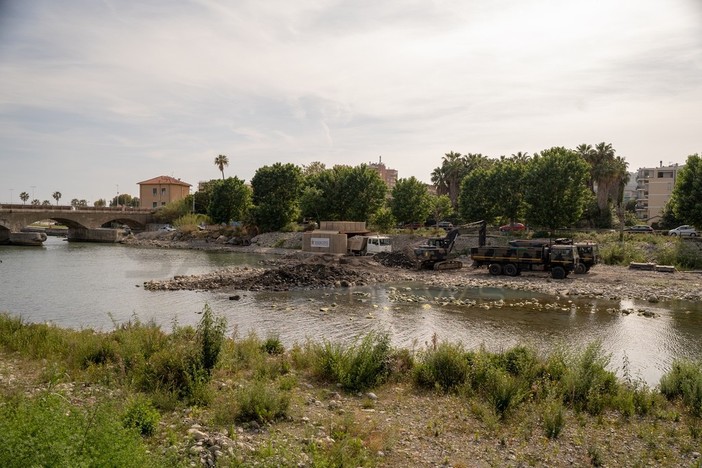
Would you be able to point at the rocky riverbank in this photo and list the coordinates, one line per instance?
(292, 268)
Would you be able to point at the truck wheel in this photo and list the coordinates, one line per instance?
(495, 269)
(580, 269)
(558, 272)
(511, 269)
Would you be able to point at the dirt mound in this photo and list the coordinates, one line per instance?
(307, 275)
(395, 260)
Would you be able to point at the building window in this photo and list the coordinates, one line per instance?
(154, 204)
(163, 190)
(155, 191)
(163, 203)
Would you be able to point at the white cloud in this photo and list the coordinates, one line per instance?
(164, 87)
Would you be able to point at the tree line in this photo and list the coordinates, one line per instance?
(555, 188)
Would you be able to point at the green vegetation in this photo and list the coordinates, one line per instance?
(276, 196)
(155, 377)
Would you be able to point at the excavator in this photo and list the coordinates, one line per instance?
(434, 254)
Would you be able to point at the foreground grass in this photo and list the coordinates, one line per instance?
(72, 398)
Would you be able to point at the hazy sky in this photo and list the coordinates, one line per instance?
(96, 96)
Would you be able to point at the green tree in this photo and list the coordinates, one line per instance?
(383, 220)
(686, 198)
(48, 203)
(410, 201)
(24, 196)
(362, 193)
(441, 207)
(230, 199)
(56, 196)
(475, 200)
(454, 168)
(100, 203)
(506, 179)
(276, 195)
(124, 199)
(36, 202)
(74, 202)
(315, 167)
(343, 193)
(555, 188)
(608, 176)
(221, 162)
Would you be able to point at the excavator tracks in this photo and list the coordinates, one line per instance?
(448, 265)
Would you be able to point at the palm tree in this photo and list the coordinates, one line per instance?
(24, 196)
(438, 178)
(221, 161)
(57, 196)
(588, 154)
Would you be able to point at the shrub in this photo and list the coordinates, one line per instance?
(48, 431)
(142, 416)
(684, 381)
(272, 345)
(260, 402)
(445, 367)
(504, 392)
(587, 384)
(360, 366)
(210, 336)
(554, 419)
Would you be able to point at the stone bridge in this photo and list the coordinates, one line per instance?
(80, 220)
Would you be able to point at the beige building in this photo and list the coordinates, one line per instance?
(387, 174)
(654, 185)
(162, 190)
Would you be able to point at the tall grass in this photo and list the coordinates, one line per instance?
(46, 430)
(359, 366)
(684, 381)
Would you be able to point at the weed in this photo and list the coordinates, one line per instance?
(504, 392)
(272, 345)
(554, 419)
(260, 402)
(357, 367)
(595, 455)
(47, 431)
(444, 367)
(684, 381)
(141, 415)
(210, 336)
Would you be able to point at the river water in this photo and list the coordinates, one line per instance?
(81, 285)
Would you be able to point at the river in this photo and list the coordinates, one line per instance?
(81, 285)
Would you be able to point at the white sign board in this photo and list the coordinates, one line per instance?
(320, 242)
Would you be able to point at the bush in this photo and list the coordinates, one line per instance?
(142, 416)
(272, 345)
(444, 367)
(210, 336)
(554, 419)
(260, 402)
(47, 431)
(360, 366)
(684, 381)
(504, 392)
(587, 384)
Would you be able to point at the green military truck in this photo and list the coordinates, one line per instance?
(588, 252)
(559, 259)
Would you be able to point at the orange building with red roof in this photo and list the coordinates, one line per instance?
(162, 190)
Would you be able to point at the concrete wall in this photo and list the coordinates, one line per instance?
(343, 227)
(324, 242)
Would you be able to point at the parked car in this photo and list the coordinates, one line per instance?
(512, 227)
(684, 230)
(166, 228)
(445, 225)
(639, 229)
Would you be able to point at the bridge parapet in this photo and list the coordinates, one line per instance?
(16, 217)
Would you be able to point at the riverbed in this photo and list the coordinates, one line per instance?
(98, 285)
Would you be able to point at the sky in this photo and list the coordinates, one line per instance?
(96, 96)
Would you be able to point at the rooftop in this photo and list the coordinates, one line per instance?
(163, 180)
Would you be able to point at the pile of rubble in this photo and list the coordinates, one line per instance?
(395, 260)
(306, 275)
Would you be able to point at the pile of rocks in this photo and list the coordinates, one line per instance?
(395, 260)
(306, 275)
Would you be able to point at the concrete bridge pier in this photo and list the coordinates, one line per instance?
(94, 235)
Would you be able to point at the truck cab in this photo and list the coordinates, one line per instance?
(369, 245)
